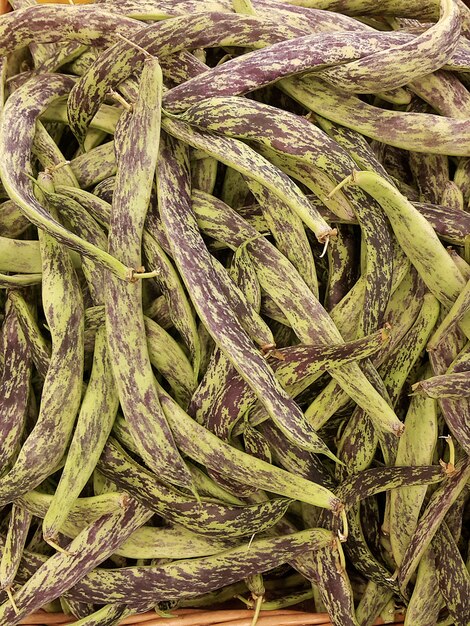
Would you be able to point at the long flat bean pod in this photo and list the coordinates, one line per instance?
(63, 307)
(191, 256)
(416, 447)
(94, 423)
(124, 316)
(385, 70)
(206, 448)
(193, 577)
(208, 518)
(15, 166)
(20, 521)
(63, 570)
(310, 320)
(429, 522)
(425, 602)
(454, 582)
(14, 386)
(422, 132)
(164, 38)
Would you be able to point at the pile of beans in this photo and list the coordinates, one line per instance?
(235, 308)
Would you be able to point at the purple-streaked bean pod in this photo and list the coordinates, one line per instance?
(15, 166)
(220, 519)
(125, 328)
(193, 261)
(454, 581)
(421, 132)
(63, 308)
(39, 345)
(62, 571)
(14, 386)
(186, 578)
(440, 502)
(20, 522)
(399, 65)
(452, 385)
(308, 318)
(165, 38)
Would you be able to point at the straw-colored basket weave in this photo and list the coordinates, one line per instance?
(195, 617)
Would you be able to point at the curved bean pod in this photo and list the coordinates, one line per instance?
(416, 237)
(308, 318)
(94, 423)
(38, 24)
(39, 346)
(452, 385)
(239, 156)
(426, 600)
(454, 585)
(439, 504)
(20, 521)
(417, 131)
(393, 68)
(209, 450)
(15, 146)
(189, 577)
(12, 221)
(208, 518)
(61, 571)
(168, 279)
(193, 261)
(416, 447)
(14, 386)
(63, 308)
(124, 316)
(164, 38)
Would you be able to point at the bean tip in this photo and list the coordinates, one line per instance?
(346, 181)
(12, 600)
(53, 543)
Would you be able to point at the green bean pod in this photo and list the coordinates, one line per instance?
(421, 133)
(64, 569)
(95, 166)
(415, 447)
(165, 38)
(440, 502)
(94, 423)
(342, 253)
(40, 347)
(374, 599)
(63, 307)
(14, 387)
(189, 577)
(416, 237)
(393, 68)
(310, 321)
(252, 165)
(179, 307)
(194, 263)
(426, 600)
(454, 585)
(251, 321)
(453, 385)
(217, 455)
(204, 174)
(219, 520)
(334, 586)
(15, 167)
(12, 221)
(20, 522)
(124, 316)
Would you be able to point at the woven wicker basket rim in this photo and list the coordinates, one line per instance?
(213, 617)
